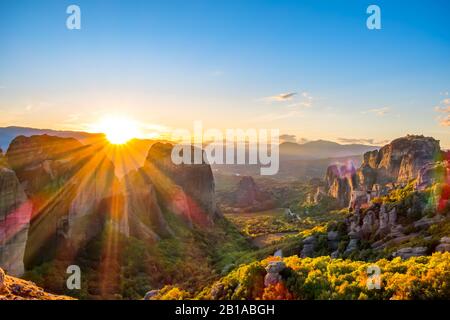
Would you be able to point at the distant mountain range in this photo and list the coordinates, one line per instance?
(321, 149)
(7, 134)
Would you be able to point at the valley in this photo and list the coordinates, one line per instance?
(166, 231)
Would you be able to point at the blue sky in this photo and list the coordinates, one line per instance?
(168, 63)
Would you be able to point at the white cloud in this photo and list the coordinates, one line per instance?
(444, 110)
(288, 138)
(379, 112)
(281, 97)
(363, 141)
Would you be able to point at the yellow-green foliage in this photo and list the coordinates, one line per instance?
(325, 278)
(171, 293)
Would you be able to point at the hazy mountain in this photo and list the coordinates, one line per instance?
(322, 149)
(7, 134)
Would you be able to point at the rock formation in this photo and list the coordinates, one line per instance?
(273, 275)
(69, 186)
(340, 182)
(393, 165)
(142, 210)
(398, 161)
(12, 288)
(186, 189)
(247, 197)
(15, 213)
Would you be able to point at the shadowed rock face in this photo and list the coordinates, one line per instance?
(247, 197)
(142, 209)
(186, 189)
(15, 213)
(68, 184)
(57, 194)
(340, 181)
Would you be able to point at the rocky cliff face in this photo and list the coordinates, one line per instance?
(15, 213)
(340, 181)
(394, 164)
(247, 197)
(57, 194)
(186, 189)
(145, 219)
(67, 184)
(398, 161)
(12, 288)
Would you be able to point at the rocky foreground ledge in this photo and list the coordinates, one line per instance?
(12, 288)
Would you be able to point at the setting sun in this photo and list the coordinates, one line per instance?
(118, 130)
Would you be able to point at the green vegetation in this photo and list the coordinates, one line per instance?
(256, 224)
(325, 278)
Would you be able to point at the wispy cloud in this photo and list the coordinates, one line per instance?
(281, 97)
(305, 102)
(378, 111)
(288, 138)
(362, 141)
(444, 110)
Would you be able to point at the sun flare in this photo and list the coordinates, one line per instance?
(118, 130)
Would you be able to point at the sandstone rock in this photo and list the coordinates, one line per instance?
(272, 279)
(426, 222)
(278, 253)
(333, 240)
(275, 267)
(400, 160)
(445, 240)
(15, 214)
(76, 182)
(354, 235)
(2, 280)
(273, 273)
(340, 182)
(196, 181)
(443, 247)
(333, 236)
(309, 245)
(352, 246)
(142, 210)
(406, 253)
(149, 295)
(217, 291)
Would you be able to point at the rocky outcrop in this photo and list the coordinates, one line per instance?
(273, 275)
(444, 245)
(406, 253)
(398, 161)
(431, 173)
(393, 165)
(247, 197)
(15, 213)
(340, 181)
(187, 189)
(309, 245)
(71, 188)
(12, 288)
(376, 220)
(142, 210)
